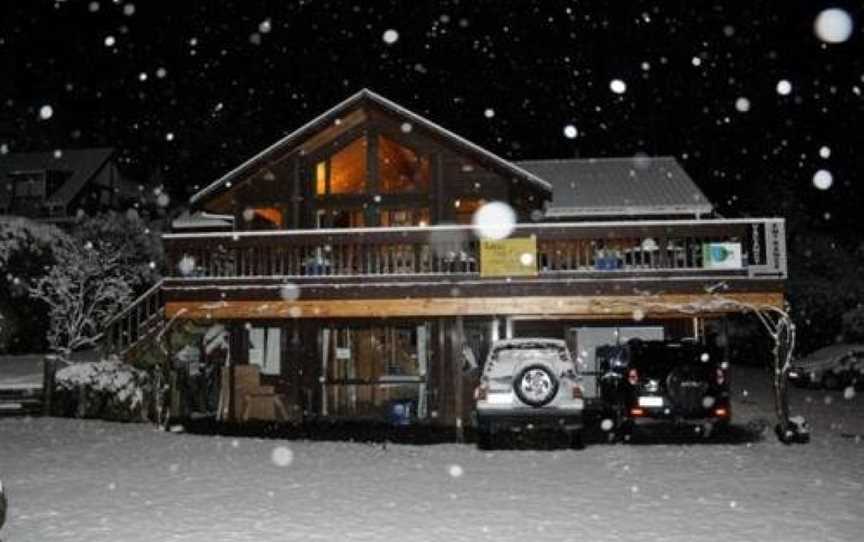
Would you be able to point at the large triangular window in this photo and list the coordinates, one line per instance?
(401, 169)
(344, 172)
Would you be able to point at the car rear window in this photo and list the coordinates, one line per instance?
(504, 359)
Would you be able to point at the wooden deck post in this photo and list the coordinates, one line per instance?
(457, 339)
(49, 370)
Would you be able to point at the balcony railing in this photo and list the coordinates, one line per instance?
(673, 247)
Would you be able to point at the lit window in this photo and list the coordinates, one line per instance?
(400, 168)
(321, 178)
(348, 169)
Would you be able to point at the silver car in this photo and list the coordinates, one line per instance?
(833, 367)
(528, 384)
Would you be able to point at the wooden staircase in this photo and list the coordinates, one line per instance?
(144, 318)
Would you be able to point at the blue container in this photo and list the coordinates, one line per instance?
(401, 412)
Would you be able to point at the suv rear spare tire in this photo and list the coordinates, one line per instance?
(535, 385)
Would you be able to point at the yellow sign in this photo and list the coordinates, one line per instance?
(516, 257)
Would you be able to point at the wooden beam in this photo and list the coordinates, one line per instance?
(613, 307)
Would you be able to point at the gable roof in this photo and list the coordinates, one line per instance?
(82, 163)
(643, 186)
(343, 107)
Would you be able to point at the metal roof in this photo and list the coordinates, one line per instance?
(340, 109)
(631, 186)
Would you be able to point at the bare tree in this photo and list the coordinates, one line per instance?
(84, 290)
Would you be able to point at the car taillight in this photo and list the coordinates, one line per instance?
(633, 377)
(721, 376)
(721, 412)
(577, 391)
(480, 392)
(636, 412)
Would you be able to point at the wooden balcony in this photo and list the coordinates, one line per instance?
(444, 262)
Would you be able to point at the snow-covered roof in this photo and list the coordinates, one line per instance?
(339, 109)
(82, 164)
(201, 221)
(626, 186)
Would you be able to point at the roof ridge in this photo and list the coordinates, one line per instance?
(366, 93)
(599, 159)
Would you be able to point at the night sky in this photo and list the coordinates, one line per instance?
(187, 90)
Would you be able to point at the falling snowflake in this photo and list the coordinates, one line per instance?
(390, 36)
(849, 392)
(46, 112)
(825, 152)
(618, 86)
(186, 265)
(570, 132)
(169, 136)
(833, 26)
(110, 41)
(607, 425)
(265, 26)
(93, 7)
(455, 471)
(526, 259)
(282, 456)
(161, 73)
(784, 87)
(494, 220)
(823, 179)
(489, 113)
(129, 10)
(742, 104)
(406, 127)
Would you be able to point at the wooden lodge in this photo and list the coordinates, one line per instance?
(342, 264)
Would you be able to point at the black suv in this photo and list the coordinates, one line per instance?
(673, 381)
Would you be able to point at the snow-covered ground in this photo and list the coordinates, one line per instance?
(95, 481)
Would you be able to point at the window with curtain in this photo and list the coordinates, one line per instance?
(265, 349)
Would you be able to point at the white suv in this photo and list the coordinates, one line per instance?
(528, 384)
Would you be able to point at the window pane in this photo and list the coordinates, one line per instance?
(265, 349)
(273, 350)
(465, 209)
(348, 169)
(395, 218)
(400, 168)
(263, 218)
(321, 178)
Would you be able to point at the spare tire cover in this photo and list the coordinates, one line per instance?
(686, 386)
(535, 385)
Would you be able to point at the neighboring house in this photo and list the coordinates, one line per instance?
(348, 272)
(54, 186)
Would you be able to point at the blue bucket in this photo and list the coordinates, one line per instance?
(401, 412)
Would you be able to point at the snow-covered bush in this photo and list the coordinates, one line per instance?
(106, 389)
